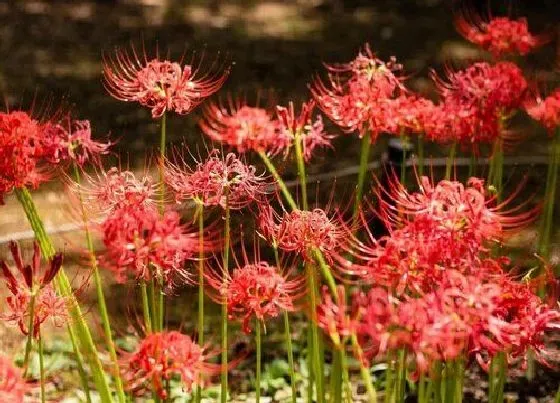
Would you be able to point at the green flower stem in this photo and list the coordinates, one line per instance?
(336, 378)
(283, 188)
(225, 267)
(200, 215)
(65, 289)
(420, 155)
(30, 330)
(301, 170)
(41, 368)
(326, 272)
(146, 307)
(401, 376)
(437, 382)
(473, 163)
(450, 161)
(459, 379)
(80, 365)
(497, 378)
(495, 172)
(258, 370)
(315, 349)
(106, 323)
(364, 371)
(159, 297)
(288, 336)
(364, 159)
(152, 304)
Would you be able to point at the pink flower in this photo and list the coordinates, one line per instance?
(160, 85)
(545, 111)
(145, 245)
(256, 290)
(216, 182)
(244, 127)
(311, 133)
(499, 35)
(47, 304)
(160, 357)
(12, 384)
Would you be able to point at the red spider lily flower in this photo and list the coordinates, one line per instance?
(256, 290)
(303, 232)
(73, 143)
(145, 245)
(47, 304)
(115, 189)
(545, 111)
(160, 85)
(499, 35)
(476, 101)
(12, 384)
(216, 182)
(356, 94)
(312, 133)
(244, 127)
(443, 226)
(160, 357)
(20, 152)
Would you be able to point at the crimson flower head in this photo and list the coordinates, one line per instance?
(160, 85)
(47, 304)
(72, 143)
(216, 182)
(499, 35)
(145, 245)
(256, 290)
(303, 232)
(545, 111)
(357, 94)
(12, 384)
(162, 356)
(114, 189)
(244, 127)
(302, 128)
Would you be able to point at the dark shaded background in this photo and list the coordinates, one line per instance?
(54, 49)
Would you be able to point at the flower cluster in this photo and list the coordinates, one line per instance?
(160, 85)
(546, 111)
(256, 290)
(12, 385)
(476, 102)
(500, 35)
(217, 181)
(47, 304)
(160, 356)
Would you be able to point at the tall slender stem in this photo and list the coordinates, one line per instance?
(159, 301)
(281, 184)
(146, 307)
(65, 289)
(450, 161)
(200, 215)
(225, 267)
(315, 351)
(80, 365)
(41, 367)
(364, 159)
(288, 336)
(301, 170)
(30, 331)
(495, 174)
(103, 313)
(364, 371)
(258, 370)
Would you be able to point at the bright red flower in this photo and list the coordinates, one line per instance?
(114, 189)
(336, 318)
(145, 245)
(47, 304)
(216, 181)
(12, 384)
(256, 290)
(546, 111)
(500, 35)
(311, 133)
(160, 357)
(160, 85)
(357, 93)
(244, 127)
(303, 232)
